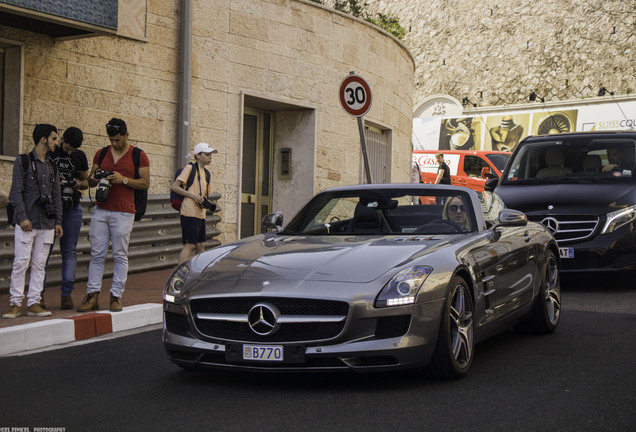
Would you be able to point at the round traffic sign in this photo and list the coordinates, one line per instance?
(355, 95)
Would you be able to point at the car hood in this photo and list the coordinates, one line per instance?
(317, 258)
(588, 198)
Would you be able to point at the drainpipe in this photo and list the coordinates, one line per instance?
(185, 83)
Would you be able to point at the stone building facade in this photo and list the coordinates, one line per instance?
(278, 63)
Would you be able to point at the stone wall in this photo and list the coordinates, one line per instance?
(497, 52)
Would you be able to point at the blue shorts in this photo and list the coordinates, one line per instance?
(192, 230)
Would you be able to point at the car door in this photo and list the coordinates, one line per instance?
(516, 270)
(469, 172)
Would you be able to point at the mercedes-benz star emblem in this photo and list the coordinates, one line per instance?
(551, 224)
(263, 319)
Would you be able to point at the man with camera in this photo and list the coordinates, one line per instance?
(72, 167)
(37, 214)
(195, 203)
(113, 218)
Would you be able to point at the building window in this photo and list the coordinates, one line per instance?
(10, 98)
(378, 143)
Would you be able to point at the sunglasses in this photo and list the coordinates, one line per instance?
(455, 208)
(112, 129)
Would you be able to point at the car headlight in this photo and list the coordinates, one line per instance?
(403, 287)
(175, 283)
(618, 218)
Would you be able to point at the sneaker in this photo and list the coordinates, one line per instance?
(115, 304)
(42, 304)
(67, 303)
(14, 311)
(36, 310)
(89, 303)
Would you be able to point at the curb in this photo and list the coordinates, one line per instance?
(47, 333)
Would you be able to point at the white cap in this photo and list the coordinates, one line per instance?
(203, 148)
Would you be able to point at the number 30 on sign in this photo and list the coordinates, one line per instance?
(355, 95)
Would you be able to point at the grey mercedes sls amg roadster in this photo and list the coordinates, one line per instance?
(366, 278)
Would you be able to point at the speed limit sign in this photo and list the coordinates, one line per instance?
(355, 95)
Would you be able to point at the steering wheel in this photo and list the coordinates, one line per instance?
(334, 219)
(455, 226)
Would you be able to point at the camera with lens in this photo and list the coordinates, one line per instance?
(208, 205)
(46, 202)
(67, 184)
(101, 194)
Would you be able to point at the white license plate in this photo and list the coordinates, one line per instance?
(263, 352)
(566, 252)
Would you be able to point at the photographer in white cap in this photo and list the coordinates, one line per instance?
(195, 187)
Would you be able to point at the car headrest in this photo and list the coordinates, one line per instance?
(592, 163)
(554, 157)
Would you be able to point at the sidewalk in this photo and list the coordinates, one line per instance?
(141, 301)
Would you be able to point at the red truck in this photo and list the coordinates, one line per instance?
(469, 168)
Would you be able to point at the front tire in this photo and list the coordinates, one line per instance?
(544, 316)
(455, 343)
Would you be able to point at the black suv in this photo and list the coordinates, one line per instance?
(582, 186)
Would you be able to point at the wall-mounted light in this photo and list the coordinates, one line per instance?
(533, 97)
(467, 101)
(603, 91)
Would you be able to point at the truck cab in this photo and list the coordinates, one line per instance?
(469, 168)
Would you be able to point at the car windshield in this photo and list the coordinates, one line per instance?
(385, 211)
(499, 160)
(573, 159)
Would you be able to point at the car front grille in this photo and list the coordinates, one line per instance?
(569, 228)
(176, 323)
(301, 319)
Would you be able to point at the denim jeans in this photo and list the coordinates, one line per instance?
(113, 226)
(71, 225)
(30, 247)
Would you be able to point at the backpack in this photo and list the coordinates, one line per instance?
(141, 196)
(24, 159)
(177, 199)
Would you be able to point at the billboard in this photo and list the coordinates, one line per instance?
(502, 131)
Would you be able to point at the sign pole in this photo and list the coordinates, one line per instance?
(364, 150)
(355, 97)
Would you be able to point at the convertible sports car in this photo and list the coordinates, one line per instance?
(366, 278)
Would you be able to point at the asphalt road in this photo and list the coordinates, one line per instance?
(582, 378)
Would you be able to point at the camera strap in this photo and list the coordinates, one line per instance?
(196, 166)
(35, 171)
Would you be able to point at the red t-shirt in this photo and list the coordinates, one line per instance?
(121, 198)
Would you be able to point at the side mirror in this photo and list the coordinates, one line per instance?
(273, 221)
(511, 218)
(508, 218)
(484, 172)
(491, 184)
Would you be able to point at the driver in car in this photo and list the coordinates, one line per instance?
(455, 211)
(614, 159)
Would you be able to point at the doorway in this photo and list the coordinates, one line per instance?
(256, 169)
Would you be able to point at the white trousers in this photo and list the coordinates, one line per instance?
(30, 247)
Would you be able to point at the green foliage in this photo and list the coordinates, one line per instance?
(353, 7)
(358, 8)
(390, 23)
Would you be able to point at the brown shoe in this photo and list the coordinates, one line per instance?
(89, 303)
(14, 311)
(115, 304)
(67, 303)
(36, 310)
